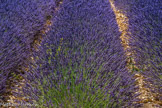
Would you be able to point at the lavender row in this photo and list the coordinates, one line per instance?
(82, 62)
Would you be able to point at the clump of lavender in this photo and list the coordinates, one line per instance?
(82, 62)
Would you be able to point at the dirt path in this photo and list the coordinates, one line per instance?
(147, 97)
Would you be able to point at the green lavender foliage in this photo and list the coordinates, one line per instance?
(73, 91)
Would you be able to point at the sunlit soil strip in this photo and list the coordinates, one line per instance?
(36, 43)
(122, 21)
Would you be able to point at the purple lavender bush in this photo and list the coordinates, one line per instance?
(81, 63)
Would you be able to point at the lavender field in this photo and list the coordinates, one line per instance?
(80, 54)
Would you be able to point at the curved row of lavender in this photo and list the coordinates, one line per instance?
(81, 63)
(20, 23)
(146, 39)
